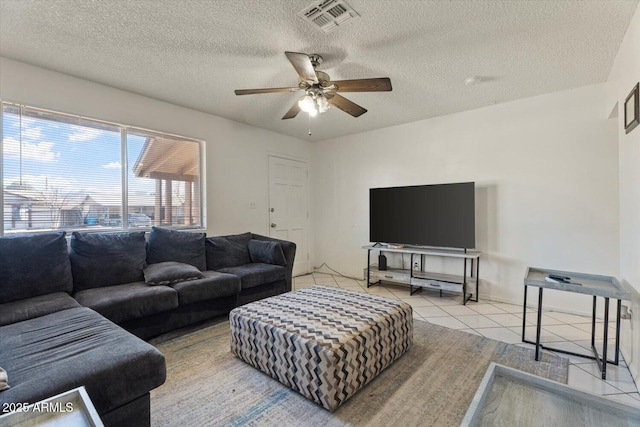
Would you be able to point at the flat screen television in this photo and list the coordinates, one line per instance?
(441, 215)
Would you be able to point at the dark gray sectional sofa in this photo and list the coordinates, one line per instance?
(74, 314)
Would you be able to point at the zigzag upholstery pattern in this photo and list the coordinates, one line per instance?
(326, 343)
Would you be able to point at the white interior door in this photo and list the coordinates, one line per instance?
(288, 207)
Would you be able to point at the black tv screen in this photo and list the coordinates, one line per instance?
(441, 215)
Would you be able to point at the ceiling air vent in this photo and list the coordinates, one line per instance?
(328, 15)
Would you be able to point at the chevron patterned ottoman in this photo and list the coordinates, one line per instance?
(325, 343)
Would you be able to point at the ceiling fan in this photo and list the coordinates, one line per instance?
(319, 91)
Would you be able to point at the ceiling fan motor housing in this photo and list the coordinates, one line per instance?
(323, 78)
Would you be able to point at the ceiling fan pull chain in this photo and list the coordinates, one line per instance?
(309, 116)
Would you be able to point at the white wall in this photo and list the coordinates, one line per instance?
(236, 161)
(624, 75)
(546, 173)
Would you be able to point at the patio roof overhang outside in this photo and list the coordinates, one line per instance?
(171, 160)
(163, 158)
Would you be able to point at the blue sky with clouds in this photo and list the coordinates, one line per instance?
(68, 157)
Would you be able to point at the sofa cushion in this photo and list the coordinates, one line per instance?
(266, 252)
(60, 351)
(120, 303)
(256, 274)
(101, 259)
(32, 265)
(228, 251)
(213, 285)
(179, 246)
(165, 273)
(25, 309)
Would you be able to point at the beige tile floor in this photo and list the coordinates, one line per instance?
(503, 322)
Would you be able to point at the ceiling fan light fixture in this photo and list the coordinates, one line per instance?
(307, 104)
(313, 103)
(323, 104)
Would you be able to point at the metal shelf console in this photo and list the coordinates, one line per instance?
(419, 279)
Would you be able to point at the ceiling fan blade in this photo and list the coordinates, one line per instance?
(266, 90)
(364, 85)
(345, 105)
(293, 111)
(303, 66)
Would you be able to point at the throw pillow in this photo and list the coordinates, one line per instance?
(4, 380)
(106, 259)
(34, 265)
(165, 273)
(179, 246)
(266, 252)
(228, 251)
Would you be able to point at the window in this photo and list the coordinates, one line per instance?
(65, 172)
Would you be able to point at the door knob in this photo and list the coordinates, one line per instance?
(273, 225)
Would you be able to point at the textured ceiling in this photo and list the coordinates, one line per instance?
(195, 53)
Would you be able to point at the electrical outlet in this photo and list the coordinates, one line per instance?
(252, 205)
(415, 266)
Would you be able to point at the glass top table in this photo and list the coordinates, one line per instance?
(541, 401)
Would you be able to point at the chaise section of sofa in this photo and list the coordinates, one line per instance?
(50, 344)
(54, 353)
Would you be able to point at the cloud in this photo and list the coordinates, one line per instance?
(31, 133)
(82, 134)
(41, 151)
(112, 165)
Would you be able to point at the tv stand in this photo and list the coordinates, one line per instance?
(419, 279)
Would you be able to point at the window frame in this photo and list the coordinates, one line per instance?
(125, 129)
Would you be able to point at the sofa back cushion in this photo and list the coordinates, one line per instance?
(179, 246)
(108, 259)
(33, 265)
(228, 251)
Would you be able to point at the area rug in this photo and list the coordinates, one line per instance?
(432, 384)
